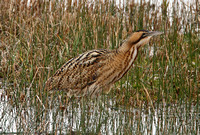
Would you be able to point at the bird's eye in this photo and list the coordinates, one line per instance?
(143, 35)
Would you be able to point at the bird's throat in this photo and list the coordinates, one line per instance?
(126, 60)
(131, 55)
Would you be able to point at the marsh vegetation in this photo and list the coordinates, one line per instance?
(159, 95)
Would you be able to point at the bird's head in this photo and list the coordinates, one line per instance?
(141, 37)
(138, 39)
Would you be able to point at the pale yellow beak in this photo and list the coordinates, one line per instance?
(153, 33)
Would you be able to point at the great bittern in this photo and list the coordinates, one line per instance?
(96, 70)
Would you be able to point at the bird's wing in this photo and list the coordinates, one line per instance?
(78, 72)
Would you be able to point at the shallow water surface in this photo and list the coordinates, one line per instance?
(99, 117)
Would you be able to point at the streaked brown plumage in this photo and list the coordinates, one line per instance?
(96, 70)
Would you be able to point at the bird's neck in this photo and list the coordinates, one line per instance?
(128, 52)
(125, 58)
(130, 56)
(125, 47)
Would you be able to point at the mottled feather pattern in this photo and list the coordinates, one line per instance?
(80, 72)
(97, 70)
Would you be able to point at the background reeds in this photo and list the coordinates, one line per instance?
(37, 37)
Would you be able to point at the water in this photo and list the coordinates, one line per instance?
(97, 117)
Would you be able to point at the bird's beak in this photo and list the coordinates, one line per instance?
(154, 33)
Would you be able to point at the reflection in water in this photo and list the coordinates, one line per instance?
(102, 116)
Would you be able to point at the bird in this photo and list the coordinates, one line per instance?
(95, 71)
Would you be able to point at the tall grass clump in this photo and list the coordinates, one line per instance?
(37, 37)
